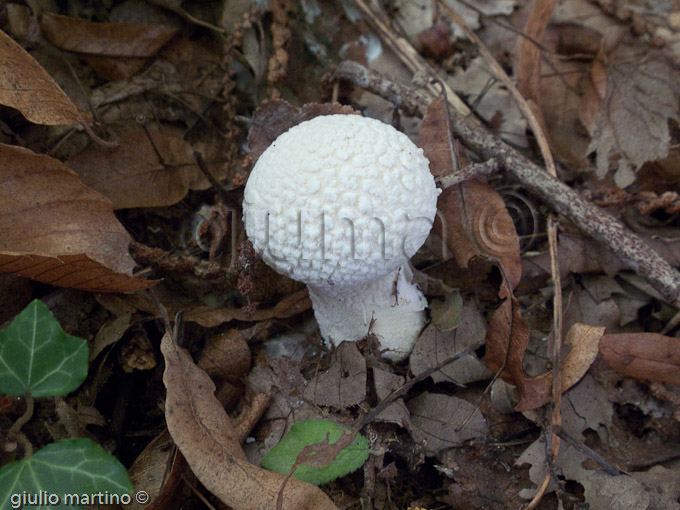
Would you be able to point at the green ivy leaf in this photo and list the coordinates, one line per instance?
(69, 466)
(38, 357)
(282, 457)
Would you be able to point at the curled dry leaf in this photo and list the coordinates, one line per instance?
(206, 437)
(56, 230)
(583, 340)
(472, 219)
(273, 118)
(643, 355)
(26, 86)
(506, 340)
(96, 43)
(434, 137)
(209, 317)
(131, 174)
(157, 471)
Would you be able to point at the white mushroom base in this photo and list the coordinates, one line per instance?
(391, 307)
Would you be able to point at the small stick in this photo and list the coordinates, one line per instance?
(202, 165)
(141, 120)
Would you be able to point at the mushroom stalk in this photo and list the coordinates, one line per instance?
(392, 308)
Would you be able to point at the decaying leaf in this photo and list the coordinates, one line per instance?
(436, 418)
(583, 340)
(434, 346)
(131, 174)
(506, 341)
(97, 43)
(344, 383)
(643, 355)
(643, 95)
(434, 137)
(56, 230)
(473, 221)
(385, 383)
(26, 86)
(158, 471)
(206, 437)
(226, 355)
(273, 118)
(211, 317)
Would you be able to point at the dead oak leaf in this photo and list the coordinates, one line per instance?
(643, 94)
(131, 174)
(205, 435)
(26, 86)
(56, 230)
(643, 355)
(114, 50)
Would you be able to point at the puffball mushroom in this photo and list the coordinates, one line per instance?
(341, 203)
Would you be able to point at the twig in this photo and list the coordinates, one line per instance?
(590, 453)
(409, 56)
(201, 269)
(473, 170)
(14, 432)
(226, 198)
(592, 220)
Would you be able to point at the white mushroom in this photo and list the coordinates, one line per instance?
(341, 203)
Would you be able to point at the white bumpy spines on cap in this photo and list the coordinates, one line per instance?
(341, 202)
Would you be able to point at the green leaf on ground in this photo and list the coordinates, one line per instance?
(38, 357)
(282, 457)
(68, 467)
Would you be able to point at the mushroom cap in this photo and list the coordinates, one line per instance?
(339, 200)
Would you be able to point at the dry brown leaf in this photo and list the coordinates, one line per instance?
(434, 137)
(26, 86)
(643, 95)
(528, 70)
(643, 355)
(56, 230)
(436, 418)
(506, 340)
(157, 471)
(273, 118)
(584, 341)
(114, 50)
(206, 437)
(131, 175)
(473, 221)
(344, 383)
(212, 317)
(434, 346)
(226, 355)
(385, 383)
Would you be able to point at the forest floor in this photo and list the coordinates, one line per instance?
(548, 374)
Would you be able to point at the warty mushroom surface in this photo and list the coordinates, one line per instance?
(341, 203)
